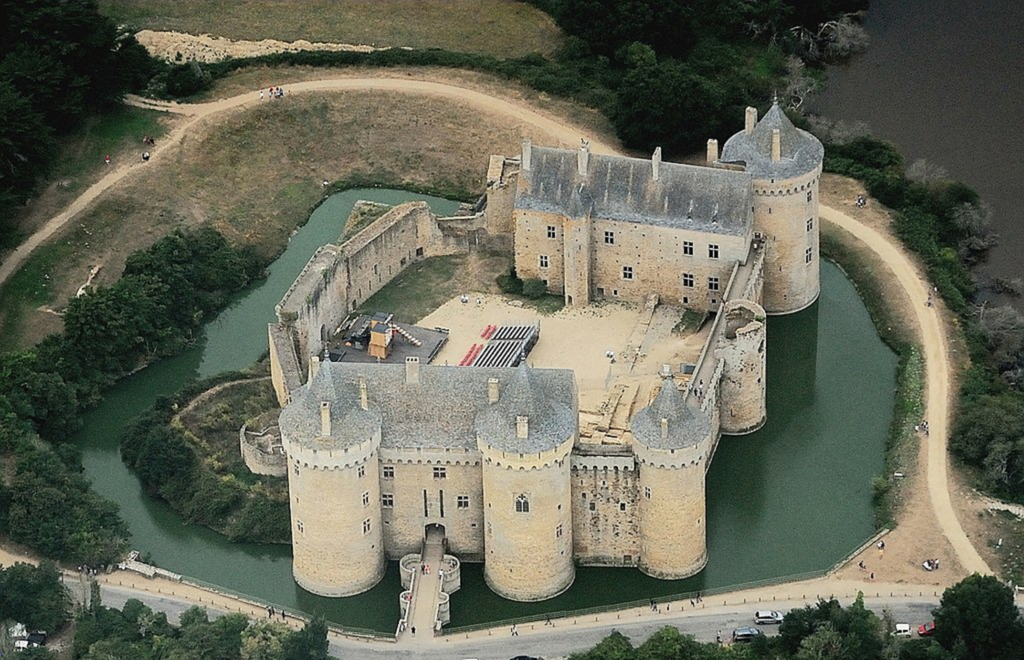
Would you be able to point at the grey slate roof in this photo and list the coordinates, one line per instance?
(550, 421)
(704, 199)
(440, 412)
(686, 426)
(801, 151)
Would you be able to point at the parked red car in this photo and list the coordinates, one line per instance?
(926, 629)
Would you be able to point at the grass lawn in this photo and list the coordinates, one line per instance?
(504, 28)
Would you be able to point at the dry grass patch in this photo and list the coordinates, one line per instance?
(504, 28)
(254, 176)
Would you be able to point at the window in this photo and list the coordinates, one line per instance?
(387, 500)
(440, 473)
(366, 499)
(688, 248)
(463, 501)
(389, 472)
(296, 469)
(712, 284)
(543, 261)
(300, 527)
(558, 532)
(688, 280)
(810, 195)
(361, 471)
(593, 506)
(712, 251)
(808, 255)
(551, 231)
(366, 526)
(647, 492)
(622, 506)
(627, 272)
(609, 238)
(522, 504)
(810, 224)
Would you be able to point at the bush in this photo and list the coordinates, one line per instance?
(510, 283)
(187, 79)
(534, 288)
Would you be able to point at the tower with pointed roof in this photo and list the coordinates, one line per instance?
(525, 440)
(785, 163)
(672, 442)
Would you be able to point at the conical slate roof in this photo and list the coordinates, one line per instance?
(801, 151)
(686, 426)
(350, 424)
(550, 422)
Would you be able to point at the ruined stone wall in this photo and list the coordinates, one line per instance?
(331, 498)
(786, 213)
(605, 513)
(528, 554)
(269, 461)
(285, 372)
(672, 511)
(655, 254)
(741, 347)
(502, 179)
(420, 498)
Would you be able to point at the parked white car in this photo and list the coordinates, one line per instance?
(768, 617)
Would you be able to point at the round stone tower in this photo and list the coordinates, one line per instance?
(785, 163)
(742, 349)
(332, 444)
(525, 438)
(671, 441)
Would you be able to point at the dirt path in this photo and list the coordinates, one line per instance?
(933, 338)
(937, 369)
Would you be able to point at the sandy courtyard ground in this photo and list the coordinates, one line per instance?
(572, 338)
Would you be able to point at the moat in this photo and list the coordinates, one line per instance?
(773, 497)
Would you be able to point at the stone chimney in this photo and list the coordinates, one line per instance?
(583, 158)
(527, 154)
(314, 366)
(522, 427)
(712, 150)
(412, 371)
(751, 120)
(492, 390)
(776, 145)
(364, 401)
(656, 164)
(664, 428)
(325, 418)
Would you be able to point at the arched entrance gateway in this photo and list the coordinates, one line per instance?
(434, 533)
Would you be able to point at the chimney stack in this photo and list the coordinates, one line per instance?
(776, 145)
(527, 153)
(492, 390)
(751, 120)
(712, 150)
(364, 401)
(522, 427)
(412, 371)
(656, 163)
(583, 158)
(314, 366)
(325, 418)
(664, 428)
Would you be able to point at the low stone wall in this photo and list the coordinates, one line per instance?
(261, 459)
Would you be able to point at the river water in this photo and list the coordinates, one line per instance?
(791, 498)
(944, 80)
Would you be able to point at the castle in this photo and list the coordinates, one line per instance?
(377, 454)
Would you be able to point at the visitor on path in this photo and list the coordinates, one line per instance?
(261, 94)
(106, 159)
(145, 156)
(718, 637)
(413, 630)
(515, 631)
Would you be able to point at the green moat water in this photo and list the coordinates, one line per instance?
(791, 498)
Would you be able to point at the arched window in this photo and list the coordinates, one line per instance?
(522, 504)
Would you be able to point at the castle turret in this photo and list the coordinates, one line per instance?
(741, 346)
(332, 442)
(671, 441)
(785, 163)
(525, 437)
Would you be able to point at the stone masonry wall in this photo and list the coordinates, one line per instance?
(742, 348)
(420, 499)
(259, 460)
(606, 524)
(786, 213)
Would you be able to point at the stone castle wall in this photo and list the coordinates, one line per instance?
(786, 214)
(606, 527)
(269, 461)
(741, 347)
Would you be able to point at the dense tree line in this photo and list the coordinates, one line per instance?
(946, 224)
(976, 620)
(59, 62)
(154, 310)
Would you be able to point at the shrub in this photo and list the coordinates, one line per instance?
(534, 288)
(510, 283)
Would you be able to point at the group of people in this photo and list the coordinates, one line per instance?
(862, 201)
(273, 92)
(923, 426)
(931, 564)
(271, 612)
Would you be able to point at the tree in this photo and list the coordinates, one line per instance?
(978, 620)
(310, 643)
(265, 640)
(615, 646)
(35, 596)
